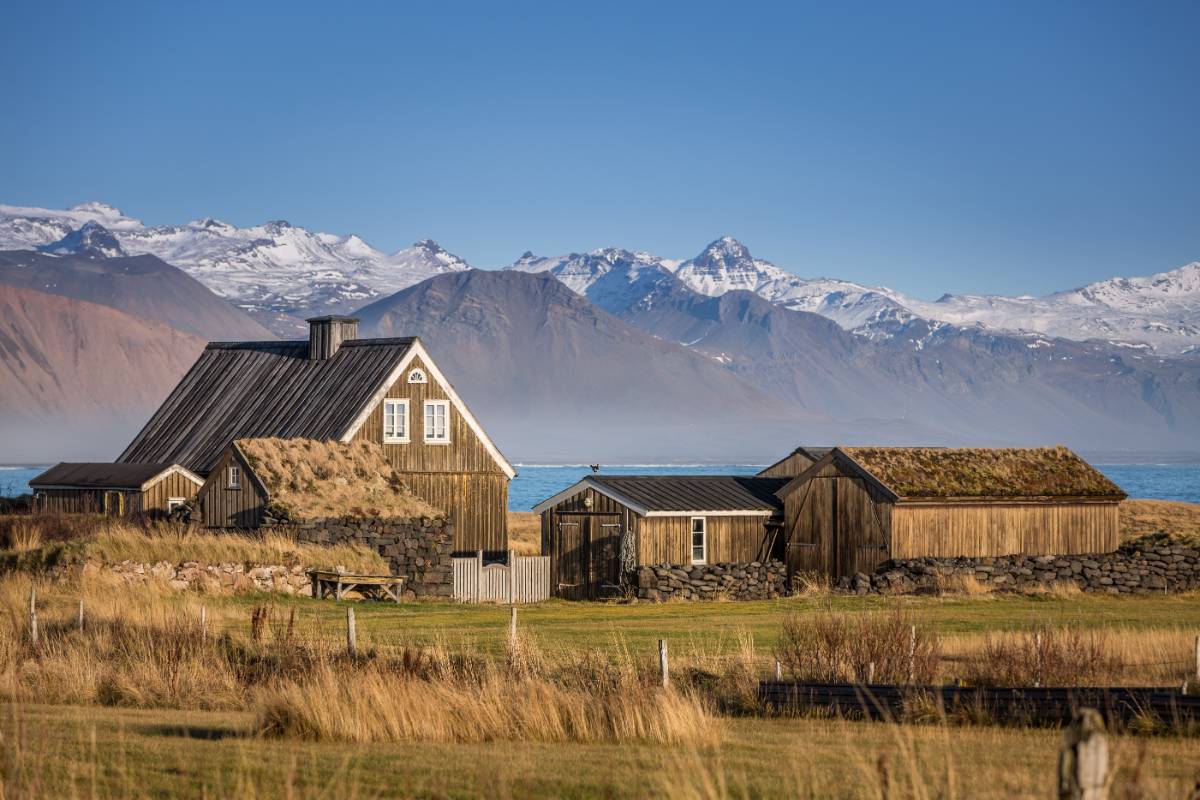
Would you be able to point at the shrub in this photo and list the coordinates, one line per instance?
(1045, 657)
(829, 647)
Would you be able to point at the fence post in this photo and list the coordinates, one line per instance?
(662, 663)
(512, 579)
(33, 625)
(478, 574)
(1083, 758)
(512, 625)
(870, 673)
(912, 653)
(1037, 652)
(351, 633)
(81, 615)
(778, 670)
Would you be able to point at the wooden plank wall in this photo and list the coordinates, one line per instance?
(231, 508)
(477, 504)
(562, 543)
(790, 467)
(525, 579)
(174, 485)
(74, 501)
(730, 539)
(992, 529)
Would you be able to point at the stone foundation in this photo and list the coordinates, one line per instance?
(228, 577)
(419, 549)
(1133, 569)
(752, 581)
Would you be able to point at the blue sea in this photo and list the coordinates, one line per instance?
(536, 482)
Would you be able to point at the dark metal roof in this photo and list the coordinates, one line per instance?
(99, 475)
(246, 390)
(696, 492)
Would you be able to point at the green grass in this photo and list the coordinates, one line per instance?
(707, 626)
(71, 751)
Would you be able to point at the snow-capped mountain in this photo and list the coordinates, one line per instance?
(274, 269)
(92, 240)
(1160, 311)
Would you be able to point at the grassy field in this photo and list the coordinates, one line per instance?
(73, 751)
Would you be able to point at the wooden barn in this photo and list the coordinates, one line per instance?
(599, 530)
(857, 507)
(152, 489)
(295, 479)
(337, 387)
(794, 462)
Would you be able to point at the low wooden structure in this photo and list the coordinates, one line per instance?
(330, 583)
(522, 579)
(794, 462)
(151, 489)
(860, 506)
(601, 529)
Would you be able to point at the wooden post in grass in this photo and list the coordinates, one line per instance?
(1198, 659)
(1037, 653)
(512, 585)
(778, 670)
(351, 633)
(33, 625)
(1083, 758)
(662, 663)
(81, 615)
(912, 653)
(870, 673)
(512, 625)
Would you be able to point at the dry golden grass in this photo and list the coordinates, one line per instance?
(38, 540)
(525, 533)
(884, 647)
(984, 472)
(1168, 519)
(308, 479)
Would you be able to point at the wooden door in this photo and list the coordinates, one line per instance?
(811, 541)
(570, 555)
(604, 547)
(862, 541)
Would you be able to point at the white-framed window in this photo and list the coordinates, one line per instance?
(233, 477)
(437, 421)
(174, 503)
(395, 421)
(417, 375)
(699, 540)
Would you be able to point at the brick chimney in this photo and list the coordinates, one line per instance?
(326, 334)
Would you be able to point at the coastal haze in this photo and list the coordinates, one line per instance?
(616, 354)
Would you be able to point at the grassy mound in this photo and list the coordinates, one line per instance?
(1161, 521)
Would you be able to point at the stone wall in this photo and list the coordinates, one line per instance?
(229, 576)
(753, 581)
(419, 549)
(1133, 569)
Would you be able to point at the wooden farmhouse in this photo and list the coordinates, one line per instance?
(153, 489)
(605, 526)
(337, 387)
(831, 511)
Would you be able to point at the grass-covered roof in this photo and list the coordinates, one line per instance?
(918, 472)
(308, 479)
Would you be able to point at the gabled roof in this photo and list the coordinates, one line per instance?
(932, 473)
(101, 475)
(811, 453)
(244, 390)
(669, 495)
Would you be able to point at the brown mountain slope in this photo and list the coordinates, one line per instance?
(144, 286)
(79, 378)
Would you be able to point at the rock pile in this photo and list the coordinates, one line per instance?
(753, 581)
(227, 576)
(1133, 569)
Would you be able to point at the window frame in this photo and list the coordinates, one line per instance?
(233, 476)
(425, 418)
(703, 540)
(395, 401)
(174, 503)
(416, 375)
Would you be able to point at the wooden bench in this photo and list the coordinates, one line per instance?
(329, 583)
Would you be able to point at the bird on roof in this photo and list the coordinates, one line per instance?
(595, 467)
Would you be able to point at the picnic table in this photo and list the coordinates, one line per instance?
(331, 583)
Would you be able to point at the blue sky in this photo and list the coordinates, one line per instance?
(929, 147)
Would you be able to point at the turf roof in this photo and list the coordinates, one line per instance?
(916, 472)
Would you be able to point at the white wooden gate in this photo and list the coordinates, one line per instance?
(525, 579)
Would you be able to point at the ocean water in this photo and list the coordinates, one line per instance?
(536, 482)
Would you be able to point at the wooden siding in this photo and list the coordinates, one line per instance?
(789, 467)
(730, 539)
(996, 529)
(155, 498)
(223, 507)
(464, 453)
(133, 502)
(583, 545)
(477, 504)
(72, 501)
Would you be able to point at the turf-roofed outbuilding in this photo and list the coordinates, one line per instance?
(152, 489)
(857, 507)
(605, 526)
(335, 387)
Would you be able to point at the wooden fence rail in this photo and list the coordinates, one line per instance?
(524, 579)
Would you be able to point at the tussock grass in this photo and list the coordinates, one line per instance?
(38, 540)
(1165, 521)
(309, 479)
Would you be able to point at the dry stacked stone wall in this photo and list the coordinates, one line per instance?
(419, 549)
(1132, 569)
(753, 581)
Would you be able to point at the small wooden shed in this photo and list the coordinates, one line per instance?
(599, 530)
(860, 506)
(115, 489)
